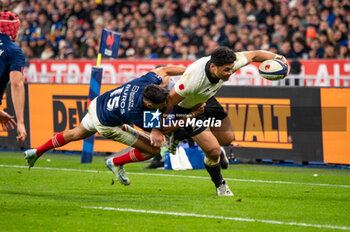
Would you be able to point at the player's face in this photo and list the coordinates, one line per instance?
(224, 72)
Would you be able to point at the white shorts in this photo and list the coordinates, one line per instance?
(91, 123)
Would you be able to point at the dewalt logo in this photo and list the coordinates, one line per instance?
(68, 111)
(58, 107)
(259, 122)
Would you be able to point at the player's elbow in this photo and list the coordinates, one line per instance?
(16, 79)
(17, 84)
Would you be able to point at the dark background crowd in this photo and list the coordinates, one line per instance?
(183, 29)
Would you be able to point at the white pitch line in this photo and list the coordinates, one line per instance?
(181, 176)
(218, 217)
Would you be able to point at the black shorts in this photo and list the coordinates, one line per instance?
(212, 110)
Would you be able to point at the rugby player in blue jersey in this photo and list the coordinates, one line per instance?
(11, 67)
(110, 114)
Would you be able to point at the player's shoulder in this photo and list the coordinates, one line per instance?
(6, 42)
(11, 49)
(200, 62)
(147, 78)
(152, 74)
(197, 67)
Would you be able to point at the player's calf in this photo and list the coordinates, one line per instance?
(224, 162)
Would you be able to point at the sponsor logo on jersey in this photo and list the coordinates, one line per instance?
(181, 87)
(123, 99)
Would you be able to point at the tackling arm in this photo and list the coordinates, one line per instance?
(173, 99)
(167, 71)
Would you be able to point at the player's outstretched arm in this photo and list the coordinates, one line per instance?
(18, 97)
(261, 55)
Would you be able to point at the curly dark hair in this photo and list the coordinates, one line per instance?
(223, 55)
(155, 94)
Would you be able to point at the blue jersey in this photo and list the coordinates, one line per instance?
(11, 59)
(124, 105)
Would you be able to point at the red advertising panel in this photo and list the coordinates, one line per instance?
(313, 72)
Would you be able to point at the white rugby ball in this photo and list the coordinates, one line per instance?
(273, 70)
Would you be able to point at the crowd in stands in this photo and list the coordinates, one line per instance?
(183, 29)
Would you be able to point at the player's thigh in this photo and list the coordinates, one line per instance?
(208, 143)
(225, 133)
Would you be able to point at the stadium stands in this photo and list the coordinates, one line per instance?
(302, 29)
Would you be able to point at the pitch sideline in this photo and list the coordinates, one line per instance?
(217, 217)
(182, 176)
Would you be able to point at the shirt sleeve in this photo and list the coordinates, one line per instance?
(17, 60)
(240, 62)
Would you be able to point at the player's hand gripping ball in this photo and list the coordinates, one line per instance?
(273, 70)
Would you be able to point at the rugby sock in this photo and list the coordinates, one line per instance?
(133, 155)
(56, 141)
(214, 171)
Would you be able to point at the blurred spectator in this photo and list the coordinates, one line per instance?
(199, 26)
(40, 47)
(343, 52)
(44, 24)
(300, 49)
(329, 52)
(286, 50)
(62, 49)
(316, 49)
(273, 48)
(69, 54)
(48, 52)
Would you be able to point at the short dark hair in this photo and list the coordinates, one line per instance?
(160, 66)
(155, 94)
(223, 55)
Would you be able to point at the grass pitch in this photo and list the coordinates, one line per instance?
(60, 194)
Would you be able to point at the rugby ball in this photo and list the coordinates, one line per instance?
(273, 70)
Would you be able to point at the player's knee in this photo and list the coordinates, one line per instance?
(213, 152)
(72, 135)
(68, 135)
(148, 155)
(228, 138)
